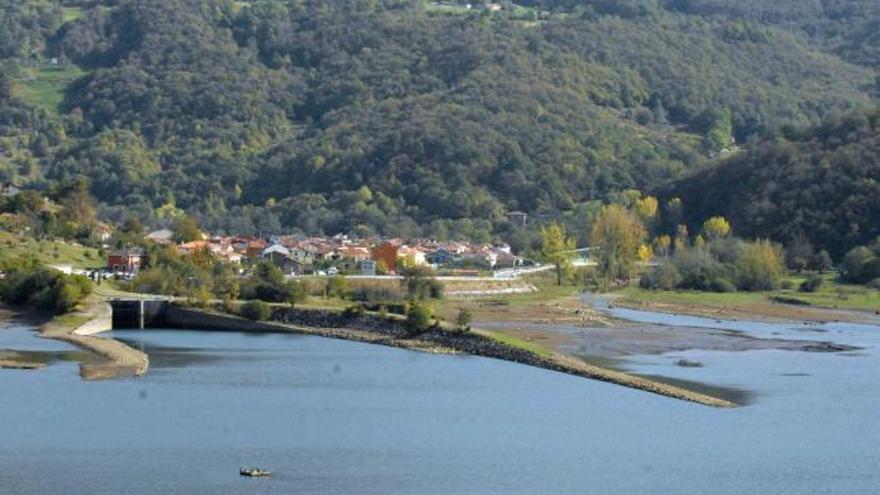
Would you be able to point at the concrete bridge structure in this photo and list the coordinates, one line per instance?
(139, 313)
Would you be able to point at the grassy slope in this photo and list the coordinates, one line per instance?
(45, 86)
(544, 282)
(70, 14)
(515, 342)
(48, 252)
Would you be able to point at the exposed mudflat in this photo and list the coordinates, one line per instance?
(16, 364)
(627, 338)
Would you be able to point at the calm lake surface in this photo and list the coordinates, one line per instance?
(336, 417)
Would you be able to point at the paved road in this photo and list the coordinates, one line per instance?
(503, 274)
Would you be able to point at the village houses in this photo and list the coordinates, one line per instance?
(298, 255)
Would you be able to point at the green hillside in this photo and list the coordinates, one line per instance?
(819, 185)
(400, 117)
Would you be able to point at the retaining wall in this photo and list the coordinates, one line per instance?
(101, 320)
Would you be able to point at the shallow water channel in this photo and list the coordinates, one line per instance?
(337, 417)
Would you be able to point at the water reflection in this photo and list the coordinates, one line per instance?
(336, 417)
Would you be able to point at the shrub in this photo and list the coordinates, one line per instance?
(267, 283)
(376, 294)
(315, 286)
(296, 293)
(699, 271)
(874, 284)
(664, 277)
(727, 250)
(418, 317)
(722, 285)
(421, 283)
(822, 262)
(229, 305)
(787, 285)
(256, 310)
(463, 321)
(200, 297)
(65, 296)
(274, 290)
(44, 289)
(860, 265)
(158, 280)
(337, 287)
(812, 283)
(760, 267)
(354, 311)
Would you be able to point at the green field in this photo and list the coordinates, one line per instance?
(836, 294)
(447, 8)
(13, 247)
(45, 86)
(832, 294)
(70, 14)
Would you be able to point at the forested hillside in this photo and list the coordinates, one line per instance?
(820, 185)
(400, 117)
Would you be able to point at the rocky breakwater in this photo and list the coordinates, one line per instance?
(439, 338)
(368, 328)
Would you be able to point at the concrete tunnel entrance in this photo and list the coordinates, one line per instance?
(138, 313)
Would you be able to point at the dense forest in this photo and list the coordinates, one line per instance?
(818, 186)
(398, 117)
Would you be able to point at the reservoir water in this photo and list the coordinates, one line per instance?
(336, 417)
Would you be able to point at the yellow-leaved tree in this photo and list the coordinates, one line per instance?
(716, 228)
(646, 207)
(681, 238)
(618, 234)
(557, 248)
(645, 253)
(662, 244)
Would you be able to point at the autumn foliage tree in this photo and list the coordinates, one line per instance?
(618, 233)
(557, 248)
(662, 245)
(760, 266)
(716, 228)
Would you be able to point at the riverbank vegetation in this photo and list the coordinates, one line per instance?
(638, 238)
(832, 294)
(861, 265)
(43, 289)
(722, 265)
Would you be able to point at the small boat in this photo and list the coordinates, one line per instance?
(253, 472)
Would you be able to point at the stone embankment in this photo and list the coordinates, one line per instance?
(391, 331)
